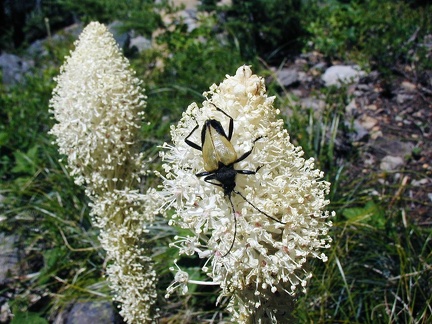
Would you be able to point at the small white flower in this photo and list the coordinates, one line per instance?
(287, 223)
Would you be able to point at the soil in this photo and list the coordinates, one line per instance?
(392, 135)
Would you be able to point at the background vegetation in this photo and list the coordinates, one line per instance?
(379, 269)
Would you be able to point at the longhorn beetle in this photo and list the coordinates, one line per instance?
(219, 158)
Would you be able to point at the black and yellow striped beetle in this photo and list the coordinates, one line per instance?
(219, 158)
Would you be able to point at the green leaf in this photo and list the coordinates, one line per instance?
(3, 138)
(28, 317)
(52, 260)
(370, 214)
(26, 162)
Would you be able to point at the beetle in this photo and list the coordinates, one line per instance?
(219, 158)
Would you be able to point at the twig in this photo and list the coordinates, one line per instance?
(400, 190)
(74, 249)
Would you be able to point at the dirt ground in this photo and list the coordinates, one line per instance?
(392, 132)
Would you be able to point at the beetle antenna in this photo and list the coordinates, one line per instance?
(271, 217)
(235, 227)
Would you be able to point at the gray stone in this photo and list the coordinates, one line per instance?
(13, 68)
(391, 163)
(5, 313)
(140, 43)
(287, 77)
(121, 38)
(342, 74)
(317, 105)
(97, 312)
(320, 66)
(9, 257)
(190, 18)
(359, 132)
(402, 98)
(385, 146)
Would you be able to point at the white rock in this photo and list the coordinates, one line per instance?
(338, 74)
(287, 77)
(391, 163)
(140, 43)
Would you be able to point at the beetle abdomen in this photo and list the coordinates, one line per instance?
(216, 149)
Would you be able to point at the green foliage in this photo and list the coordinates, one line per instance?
(40, 203)
(373, 275)
(371, 214)
(268, 29)
(26, 163)
(321, 131)
(138, 15)
(377, 32)
(377, 270)
(379, 267)
(42, 19)
(28, 317)
(192, 61)
(197, 56)
(25, 21)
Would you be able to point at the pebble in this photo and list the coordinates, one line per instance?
(391, 163)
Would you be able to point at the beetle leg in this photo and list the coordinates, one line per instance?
(203, 174)
(190, 143)
(248, 171)
(245, 155)
(231, 122)
(210, 177)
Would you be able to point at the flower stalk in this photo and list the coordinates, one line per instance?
(98, 104)
(277, 219)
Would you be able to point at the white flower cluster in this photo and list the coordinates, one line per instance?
(261, 254)
(98, 104)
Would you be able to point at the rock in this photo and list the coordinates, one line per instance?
(121, 38)
(338, 74)
(408, 86)
(351, 108)
(401, 98)
(39, 48)
(392, 147)
(422, 182)
(190, 18)
(287, 77)
(96, 312)
(367, 122)
(140, 43)
(9, 257)
(317, 105)
(319, 66)
(359, 132)
(376, 133)
(14, 68)
(391, 163)
(5, 313)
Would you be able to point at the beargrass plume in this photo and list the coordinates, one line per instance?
(98, 105)
(277, 230)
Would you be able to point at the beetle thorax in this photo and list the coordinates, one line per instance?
(226, 175)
